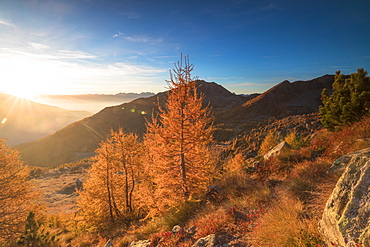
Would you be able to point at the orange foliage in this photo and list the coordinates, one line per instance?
(178, 141)
(16, 193)
(109, 194)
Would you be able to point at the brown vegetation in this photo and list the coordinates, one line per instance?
(110, 194)
(16, 193)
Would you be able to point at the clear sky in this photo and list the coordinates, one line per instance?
(111, 46)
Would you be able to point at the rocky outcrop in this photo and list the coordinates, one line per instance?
(208, 241)
(277, 150)
(346, 217)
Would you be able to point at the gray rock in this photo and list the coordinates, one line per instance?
(108, 243)
(176, 229)
(192, 230)
(208, 241)
(140, 243)
(346, 217)
(341, 163)
(277, 150)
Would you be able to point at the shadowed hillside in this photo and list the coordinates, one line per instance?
(80, 139)
(233, 113)
(23, 120)
(283, 100)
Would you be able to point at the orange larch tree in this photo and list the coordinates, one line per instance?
(108, 195)
(17, 193)
(178, 141)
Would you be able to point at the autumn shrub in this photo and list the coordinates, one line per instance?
(296, 140)
(212, 222)
(268, 142)
(88, 240)
(287, 159)
(349, 139)
(170, 239)
(180, 214)
(272, 168)
(151, 227)
(176, 216)
(286, 224)
(236, 164)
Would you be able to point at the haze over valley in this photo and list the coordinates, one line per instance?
(89, 102)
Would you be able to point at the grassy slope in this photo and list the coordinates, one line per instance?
(278, 204)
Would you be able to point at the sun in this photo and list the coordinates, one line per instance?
(27, 90)
(25, 78)
(24, 89)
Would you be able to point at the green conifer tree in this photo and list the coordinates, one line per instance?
(348, 103)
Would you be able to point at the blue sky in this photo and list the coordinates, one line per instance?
(111, 46)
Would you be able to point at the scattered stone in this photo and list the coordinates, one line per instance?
(78, 184)
(176, 229)
(108, 243)
(346, 217)
(208, 241)
(192, 230)
(140, 243)
(277, 150)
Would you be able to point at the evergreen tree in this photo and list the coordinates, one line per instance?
(348, 103)
(178, 141)
(16, 193)
(109, 192)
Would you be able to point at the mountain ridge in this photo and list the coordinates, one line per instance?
(284, 99)
(233, 113)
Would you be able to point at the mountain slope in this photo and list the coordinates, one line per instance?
(283, 100)
(80, 139)
(232, 112)
(25, 121)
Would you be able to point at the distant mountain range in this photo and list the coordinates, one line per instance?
(234, 114)
(23, 120)
(90, 102)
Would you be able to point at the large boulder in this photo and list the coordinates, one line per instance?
(346, 217)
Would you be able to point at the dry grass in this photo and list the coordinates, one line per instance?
(285, 196)
(286, 224)
(88, 240)
(349, 139)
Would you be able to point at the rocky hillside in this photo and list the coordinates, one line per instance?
(234, 115)
(23, 120)
(284, 99)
